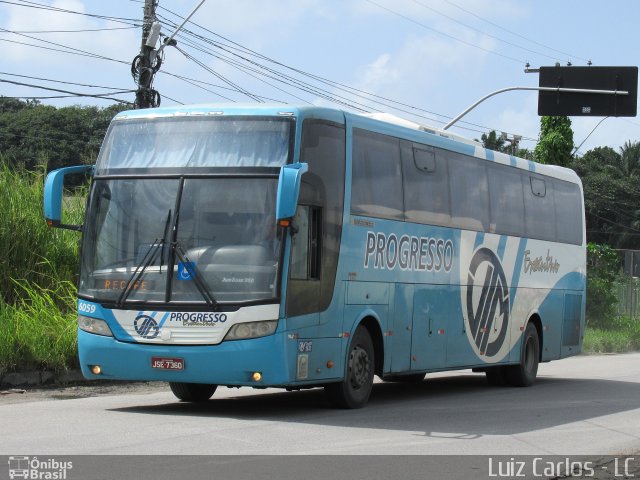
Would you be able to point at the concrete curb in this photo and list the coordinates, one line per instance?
(35, 378)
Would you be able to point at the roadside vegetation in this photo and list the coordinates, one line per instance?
(39, 266)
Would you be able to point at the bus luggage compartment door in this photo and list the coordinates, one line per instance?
(428, 335)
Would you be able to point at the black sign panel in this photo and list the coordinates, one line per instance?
(589, 104)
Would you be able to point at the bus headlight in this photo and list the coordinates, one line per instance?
(94, 325)
(242, 331)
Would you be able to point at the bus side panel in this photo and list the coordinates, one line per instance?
(398, 347)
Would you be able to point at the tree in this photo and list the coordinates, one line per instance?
(611, 196)
(33, 135)
(492, 141)
(556, 141)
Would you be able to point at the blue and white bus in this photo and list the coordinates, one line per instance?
(297, 247)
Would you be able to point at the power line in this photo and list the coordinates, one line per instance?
(100, 95)
(78, 31)
(232, 48)
(70, 50)
(482, 32)
(40, 6)
(512, 32)
(439, 32)
(59, 81)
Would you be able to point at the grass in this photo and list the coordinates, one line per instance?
(39, 268)
(622, 335)
(35, 334)
(31, 251)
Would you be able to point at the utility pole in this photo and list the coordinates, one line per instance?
(147, 63)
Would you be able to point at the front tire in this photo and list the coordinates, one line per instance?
(355, 389)
(192, 392)
(524, 374)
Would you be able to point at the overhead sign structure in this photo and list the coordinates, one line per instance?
(599, 98)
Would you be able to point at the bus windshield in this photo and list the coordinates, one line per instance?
(180, 142)
(224, 231)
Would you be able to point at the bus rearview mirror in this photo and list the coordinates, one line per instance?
(53, 193)
(289, 189)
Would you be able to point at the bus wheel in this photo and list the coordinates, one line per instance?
(496, 376)
(192, 392)
(354, 390)
(524, 374)
(411, 378)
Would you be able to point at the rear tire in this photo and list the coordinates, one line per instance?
(524, 374)
(354, 390)
(192, 392)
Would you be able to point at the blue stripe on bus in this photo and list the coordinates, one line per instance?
(502, 245)
(516, 271)
(479, 240)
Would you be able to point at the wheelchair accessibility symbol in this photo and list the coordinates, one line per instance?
(186, 270)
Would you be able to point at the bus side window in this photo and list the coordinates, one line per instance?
(507, 201)
(568, 212)
(306, 244)
(469, 190)
(426, 187)
(540, 213)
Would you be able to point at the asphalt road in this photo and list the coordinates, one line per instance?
(587, 405)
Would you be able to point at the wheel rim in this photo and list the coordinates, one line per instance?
(359, 367)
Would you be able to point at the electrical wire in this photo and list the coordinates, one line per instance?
(233, 48)
(40, 6)
(444, 34)
(77, 94)
(455, 20)
(79, 31)
(59, 81)
(514, 33)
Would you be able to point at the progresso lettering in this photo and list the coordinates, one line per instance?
(194, 319)
(407, 252)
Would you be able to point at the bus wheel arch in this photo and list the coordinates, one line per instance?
(361, 364)
(537, 322)
(373, 327)
(524, 373)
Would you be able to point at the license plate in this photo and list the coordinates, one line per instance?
(167, 363)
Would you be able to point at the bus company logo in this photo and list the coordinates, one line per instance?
(487, 302)
(146, 326)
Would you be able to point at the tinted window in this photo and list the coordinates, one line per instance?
(540, 215)
(568, 212)
(507, 203)
(469, 192)
(426, 186)
(323, 148)
(377, 177)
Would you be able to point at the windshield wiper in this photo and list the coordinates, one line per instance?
(149, 258)
(193, 272)
(189, 266)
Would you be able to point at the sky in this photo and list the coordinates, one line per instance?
(422, 60)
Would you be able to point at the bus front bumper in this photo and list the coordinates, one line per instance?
(228, 363)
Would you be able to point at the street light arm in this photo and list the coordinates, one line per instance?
(539, 89)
